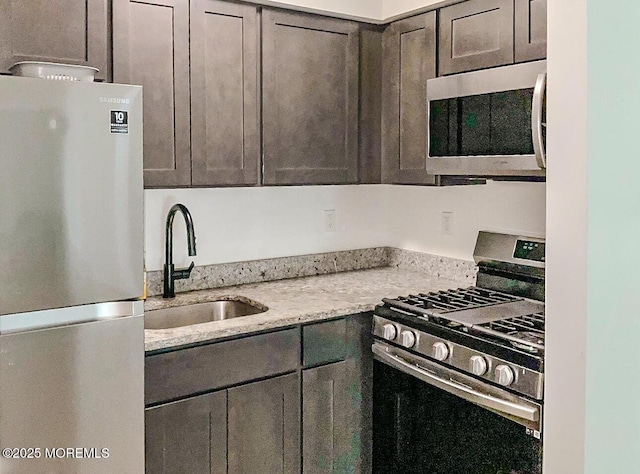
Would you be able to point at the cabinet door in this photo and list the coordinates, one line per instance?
(151, 48)
(475, 34)
(187, 436)
(530, 30)
(331, 411)
(63, 31)
(409, 52)
(369, 171)
(264, 426)
(310, 99)
(224, 93)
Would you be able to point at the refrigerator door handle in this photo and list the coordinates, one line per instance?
(23, 322)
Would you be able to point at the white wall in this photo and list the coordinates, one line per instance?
(566, 274)
(391, 8)
(366, 9)
(237, 224)
(415, 215)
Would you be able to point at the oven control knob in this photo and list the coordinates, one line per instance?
(440, 351)
(504, 375)
(389, 332)
(478, 365)
(407, 339)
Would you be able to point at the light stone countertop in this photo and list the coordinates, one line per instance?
(293, 301)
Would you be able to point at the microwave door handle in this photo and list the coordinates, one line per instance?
(536, 120)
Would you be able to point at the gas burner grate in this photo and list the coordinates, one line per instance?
(523, 332)
(447, 301)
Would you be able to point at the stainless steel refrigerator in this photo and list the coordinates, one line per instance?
(71, 277)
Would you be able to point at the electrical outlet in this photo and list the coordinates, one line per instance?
(330, 220)
(447, 223)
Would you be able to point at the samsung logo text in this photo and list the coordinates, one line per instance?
(114, 100)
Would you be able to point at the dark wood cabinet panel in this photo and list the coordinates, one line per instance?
(264, 426)
(324, 342)
(180, 373)
(330, 419)
(224, 93)
(337, 400)
(256, 426)
(187, 436)
(475, 34)
(310, 99)
(151, 48)
(530, 30)
(63, 31)
(409, 59)
(369, 171)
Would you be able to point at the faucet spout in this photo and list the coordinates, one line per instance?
(170, 273)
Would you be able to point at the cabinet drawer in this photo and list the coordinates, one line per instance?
(324, 342)
(185, 372)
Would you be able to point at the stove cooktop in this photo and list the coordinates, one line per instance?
(506, 319)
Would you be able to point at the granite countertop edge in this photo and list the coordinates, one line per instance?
(291, 302)
(249, 326)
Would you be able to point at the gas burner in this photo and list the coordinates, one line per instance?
(449, 301)
(527, 338)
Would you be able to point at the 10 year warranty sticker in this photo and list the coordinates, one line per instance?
(119, 121)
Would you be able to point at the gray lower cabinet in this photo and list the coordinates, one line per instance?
(151, 48)
(188, 436)
(63, 31)
(310, 99)
(225, 99)
(246, 429)
(475, 34)
(264, 426)
(337, 396)
(330, 419)
(409, 59)
(530, 30)
(288, 401)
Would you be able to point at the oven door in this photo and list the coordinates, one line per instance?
(488, 123)
(430, 419)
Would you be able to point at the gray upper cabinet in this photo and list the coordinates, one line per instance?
(224, 93)
(63, 31)
(475, 34)
(530, 30)
(310, 99)
(369, 171)
(151, 48)
(187, 436)
(409, 59)
(264, 427)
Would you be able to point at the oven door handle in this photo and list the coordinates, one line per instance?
(536, 120)
(524, 412)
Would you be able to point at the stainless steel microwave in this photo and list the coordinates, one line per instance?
(489, 122)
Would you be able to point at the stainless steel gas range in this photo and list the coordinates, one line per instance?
(459, 374)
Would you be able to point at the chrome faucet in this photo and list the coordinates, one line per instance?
(170, 273)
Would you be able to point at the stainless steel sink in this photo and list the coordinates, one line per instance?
(188, 315)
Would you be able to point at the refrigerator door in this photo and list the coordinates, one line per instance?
(71, 193)
(72, 397)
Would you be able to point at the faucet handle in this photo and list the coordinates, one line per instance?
(183, 273)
